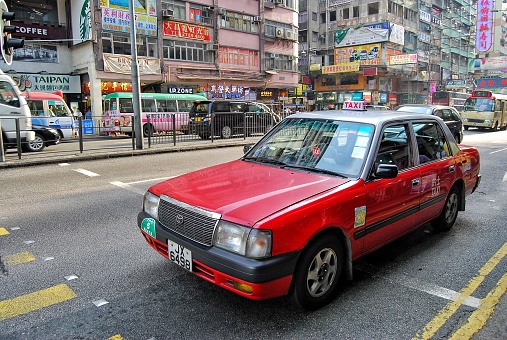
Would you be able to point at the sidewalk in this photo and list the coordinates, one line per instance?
(56, 154)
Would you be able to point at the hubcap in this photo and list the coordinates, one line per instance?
(451, 208)
(37, 143)
(322, 272)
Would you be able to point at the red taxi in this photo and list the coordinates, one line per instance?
(316, 193)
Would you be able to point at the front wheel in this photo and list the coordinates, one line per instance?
(36, 145)
(148, 130)
(318, 272)
(447, 217)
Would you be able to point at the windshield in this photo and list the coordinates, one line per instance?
(415, 109)
(478, 104)
(316, 145)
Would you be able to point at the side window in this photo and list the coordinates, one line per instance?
(36, 107)
(8, 95)
(394, 147)
(439, 114)
(126, 105)
(184, 105)
(148, 105)
(431, 142)
(447, 115)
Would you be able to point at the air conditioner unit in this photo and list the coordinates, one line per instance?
(289, 34)
(212, 47)
(222, 11)
(269, 4)
(167, 13)
(256, 19)
(279, 33)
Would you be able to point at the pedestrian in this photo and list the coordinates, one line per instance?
(79, 114)
(88, 114)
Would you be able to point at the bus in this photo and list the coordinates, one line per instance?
(449, 98)
(485, 109)
(158, 112)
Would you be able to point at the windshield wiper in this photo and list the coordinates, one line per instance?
(265, 160)
(322, 171)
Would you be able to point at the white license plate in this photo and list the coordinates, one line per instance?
(180, 255)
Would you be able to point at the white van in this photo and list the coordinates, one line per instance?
(13, 107)
(49, 109)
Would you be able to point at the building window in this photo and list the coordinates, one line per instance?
(314, 16)
(332, 16)
(355, 12)
(240, 22)
(373, 8)
(271, 26)
(346, 13)
(178, 8)
(187, 51)
(280, 62)
(235, 56)
(119, 43)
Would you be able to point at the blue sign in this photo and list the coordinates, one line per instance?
(88, 127)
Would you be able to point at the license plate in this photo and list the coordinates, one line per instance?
(180, 255)
(197, 119)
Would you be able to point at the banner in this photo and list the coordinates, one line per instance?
(117, 63)
(403, 59)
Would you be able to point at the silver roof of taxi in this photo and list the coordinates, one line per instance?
(375, 117)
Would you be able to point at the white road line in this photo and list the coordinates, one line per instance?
(128, 187)
(86, 172)
(504, 177)
(419, 285)
(492, 152)
(151, 180)
(63, 164)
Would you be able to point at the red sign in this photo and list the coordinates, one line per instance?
(108, 87)
(484, 25)
(183, 30)
(370, 71)
(354, 105)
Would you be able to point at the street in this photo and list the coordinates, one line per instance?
(74, 264)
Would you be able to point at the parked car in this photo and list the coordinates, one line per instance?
(44, 136)
(317, 192)
(225, 118)
(377, 107)
(449, 114)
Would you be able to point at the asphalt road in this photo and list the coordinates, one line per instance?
(76, 267)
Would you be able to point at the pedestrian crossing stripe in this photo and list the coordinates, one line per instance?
(3, 231)
(31, 302)
(19, 258)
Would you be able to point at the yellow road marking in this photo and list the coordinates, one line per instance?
(116, 337)
(445, 313)
(30, 302)
(480, 316)
(3, 232)
(19, 258)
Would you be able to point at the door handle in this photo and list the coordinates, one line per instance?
(415, 182)
(452, 168)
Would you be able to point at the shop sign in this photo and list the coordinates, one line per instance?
(117, 63)
(393, 100)
(341, 68)
(369, 71)
(424, 16)
(403, 59)
(492, 83)
(109, 87)
(364, 54)
(119, 21)
(218, 91)
(453, 84)
(184, 30)
(484, 25)
(360, 35)
(382, 97)
(39, 32)
(180, 90)
(144, 7)
(47, 83)
(266, 93)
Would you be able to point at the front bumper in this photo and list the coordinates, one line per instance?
(268, 278)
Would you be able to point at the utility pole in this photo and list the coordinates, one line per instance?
(136, 89)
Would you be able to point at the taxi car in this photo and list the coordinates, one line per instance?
(317, 192)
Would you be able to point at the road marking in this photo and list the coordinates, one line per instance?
(116, 337)
(19, 258)
(128, 187)
(152, 180)
(492, 152)
(480, 316)
(86, 172)
(63, 164)
(445, 313)
(3, 232)
(504, 177)
(30, 302)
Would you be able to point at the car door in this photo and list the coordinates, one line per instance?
(392, 203)
(437, 168)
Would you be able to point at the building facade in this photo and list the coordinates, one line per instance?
(384, 51)
(226, 48)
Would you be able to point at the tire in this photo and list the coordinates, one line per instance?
(226, 132)
(495, 127)
(447, 217)
(148, 130)
(35, 145)
(465, 127)
(317, 273)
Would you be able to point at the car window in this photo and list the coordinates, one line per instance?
(431, 142)
(36, 107)
(8, 94)
(394, 147)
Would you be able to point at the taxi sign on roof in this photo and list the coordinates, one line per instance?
(354, 105)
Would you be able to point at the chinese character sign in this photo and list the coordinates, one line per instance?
(484, 25)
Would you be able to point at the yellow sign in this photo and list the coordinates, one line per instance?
(341, 68)
(364, 54)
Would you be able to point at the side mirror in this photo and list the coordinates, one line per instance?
(247, 148)
(385, 171)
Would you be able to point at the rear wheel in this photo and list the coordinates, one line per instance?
(35, 145)
(148, 130)
(226, 132)
(448, 216)
(317, 273)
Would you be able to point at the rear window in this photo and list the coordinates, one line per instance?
(415, 109)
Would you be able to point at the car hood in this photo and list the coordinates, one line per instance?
(245, 192)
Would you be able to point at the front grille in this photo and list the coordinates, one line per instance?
(194, 223)
(476, 121)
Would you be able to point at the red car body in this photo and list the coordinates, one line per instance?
(301, 209)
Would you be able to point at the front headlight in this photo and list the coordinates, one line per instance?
(252, 243)
(150, 204)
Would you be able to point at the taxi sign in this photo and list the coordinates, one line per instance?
(354, 105)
